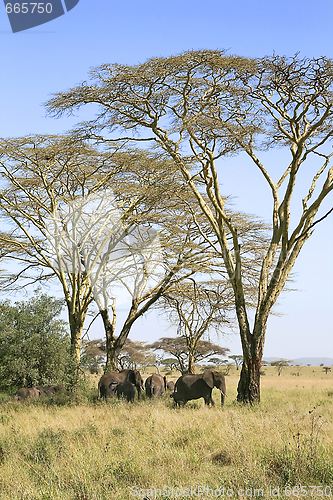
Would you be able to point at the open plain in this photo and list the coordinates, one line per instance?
(85, 449)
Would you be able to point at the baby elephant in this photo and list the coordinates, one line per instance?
(25, 393)
(171, 386)
(127, 390)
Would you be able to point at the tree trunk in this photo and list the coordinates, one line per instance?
(115, 344)
(76, 322)
(76, 345)
(77, 302)
(190, 363)
(111, 341)
(112, 357)
(248, 390)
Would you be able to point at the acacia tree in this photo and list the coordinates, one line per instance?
(43, 177)
(114, 252)
(178, 347)
(92, 354)
(279, 364)
(134, 353)
(37, 174)
(196, 307)
(238, 359)
(90, 237)
(184, 252)
(202, 106)
(65, 224)
(148, 269)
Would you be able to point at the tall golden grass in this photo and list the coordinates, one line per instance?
(88, 450)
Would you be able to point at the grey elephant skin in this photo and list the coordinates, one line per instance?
(127, 390)
(171, 385)
(26, 393)
(50, 390)
(191, 386)
(109, 381)
(155, 385)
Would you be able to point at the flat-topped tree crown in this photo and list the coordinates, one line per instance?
(200, 106)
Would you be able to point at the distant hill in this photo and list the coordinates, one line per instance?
(307, 361)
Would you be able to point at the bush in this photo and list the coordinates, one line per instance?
(34, 344)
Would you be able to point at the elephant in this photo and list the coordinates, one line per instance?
(126, 389)
(155, 385)
(191, 386)
(49, 390)
(110, 380)
(25, 393)
(171, 385)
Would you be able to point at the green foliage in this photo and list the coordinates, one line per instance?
(34, 343)
(92, 354)
(179, 348)
(134, 354)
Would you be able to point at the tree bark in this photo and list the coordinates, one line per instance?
(248, 390)
(115, 344)
(191, 363)
(111, 341)
(76, 322)
(112, 355)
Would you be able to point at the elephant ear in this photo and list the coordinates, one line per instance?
(132, 377)
(137, 378)
(208, 377)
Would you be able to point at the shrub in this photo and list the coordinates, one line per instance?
(34, 343)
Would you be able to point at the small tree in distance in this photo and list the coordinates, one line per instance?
(196, 307)
(134, 354)
(178, 347)
(221, 362)
(92, 354)
(238, 359)
(279, 364)
(170, 363)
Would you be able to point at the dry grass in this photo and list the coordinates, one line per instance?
(94, 450)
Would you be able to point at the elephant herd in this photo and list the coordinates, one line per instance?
(187, 387)
(126, 382)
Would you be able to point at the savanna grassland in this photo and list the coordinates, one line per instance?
(84, 449)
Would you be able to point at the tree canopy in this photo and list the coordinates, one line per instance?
(201, 107)
(178, 347)
(196, 307)
(145, 234)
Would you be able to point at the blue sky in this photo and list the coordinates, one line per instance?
(58, 55)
